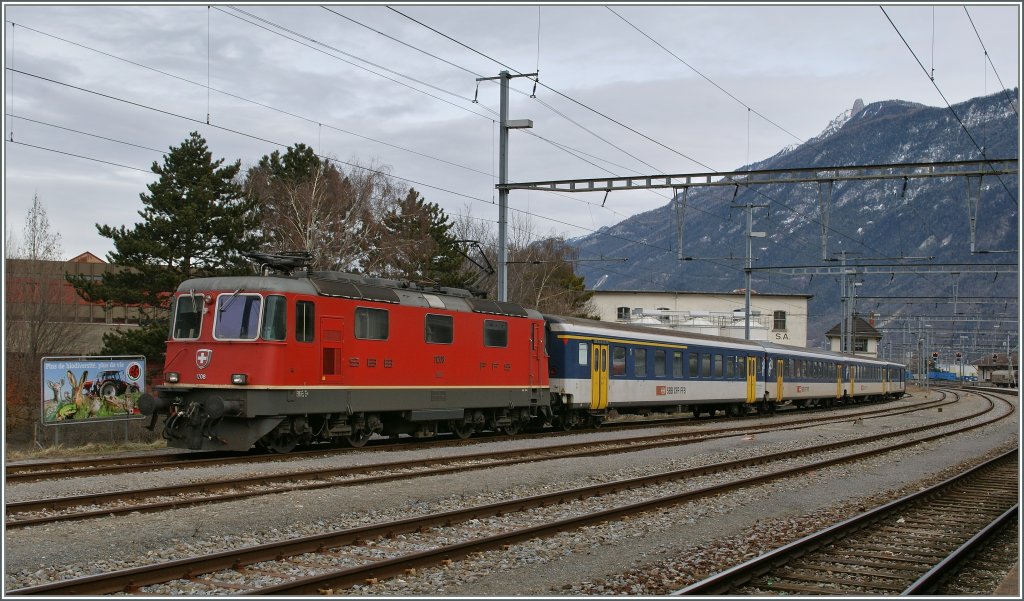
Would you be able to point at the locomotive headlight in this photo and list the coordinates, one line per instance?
(239, 379)
(172, 377)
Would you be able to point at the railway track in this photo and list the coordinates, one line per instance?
(78, 468)
(910, 546)
(325, 562)
(36, 512)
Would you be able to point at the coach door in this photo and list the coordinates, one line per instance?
(839, 381)
(779, 367)
(599, 376)
(751, 379)
(331, 329)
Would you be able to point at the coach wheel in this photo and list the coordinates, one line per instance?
(462, 429)
(358, 439)
(735, 410)
(282, 443)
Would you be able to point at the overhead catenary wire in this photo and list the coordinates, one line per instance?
(988, 58)
(331, 159)
(799, 214)
(950, 106)
(311, 120)
(273, 24)
(706, 78)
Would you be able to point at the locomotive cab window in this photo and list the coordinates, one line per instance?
(238, 316)
(495, 333)
(304, 321)
(188, 316)
(438, 329)
(275, 317)
(371, 324)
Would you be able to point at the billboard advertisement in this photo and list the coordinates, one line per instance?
(87, 389)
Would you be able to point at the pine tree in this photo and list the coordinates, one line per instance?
(416, 243)
(196, 222)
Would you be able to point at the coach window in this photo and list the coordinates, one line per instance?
(495, 333)
(779, 320)
(741, 368)
(584, 354)
(304, 321)
(718, 366)
(730, 368)
(677, 364)
(238, 316)
(694, 362)
(275, 317)
(371, 324)
(659, 363)
(188, 316)
(705, 365)
(618, 360)
(438, 329)
(640, 363)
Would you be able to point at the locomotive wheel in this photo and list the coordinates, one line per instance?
(513, 428)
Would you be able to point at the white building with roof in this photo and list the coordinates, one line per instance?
(780, 318)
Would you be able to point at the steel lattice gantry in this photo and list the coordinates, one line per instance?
(776, 176)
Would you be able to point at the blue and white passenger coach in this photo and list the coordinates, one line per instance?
(597, 366)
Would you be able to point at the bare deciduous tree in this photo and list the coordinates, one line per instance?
(39, 318)
(541, 272)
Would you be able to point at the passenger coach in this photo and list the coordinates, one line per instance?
(597, 366)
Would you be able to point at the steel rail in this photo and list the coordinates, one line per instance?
(586, 449)
(130, 580)
(935, 577)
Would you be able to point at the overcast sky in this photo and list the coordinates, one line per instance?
(626, 90)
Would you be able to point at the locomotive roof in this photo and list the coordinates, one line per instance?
(356, 287)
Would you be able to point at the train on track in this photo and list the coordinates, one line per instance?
(292, 357)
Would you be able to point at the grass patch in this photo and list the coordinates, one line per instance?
(93, 448)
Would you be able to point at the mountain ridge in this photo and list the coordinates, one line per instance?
(872, 219)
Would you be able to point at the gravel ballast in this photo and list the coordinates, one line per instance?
(649, 554)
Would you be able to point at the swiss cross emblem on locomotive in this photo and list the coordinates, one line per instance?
(203, 357)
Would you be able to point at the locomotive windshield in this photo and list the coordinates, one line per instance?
(188, 317)
(238, 316)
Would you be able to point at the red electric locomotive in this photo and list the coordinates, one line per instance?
(291, 358)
